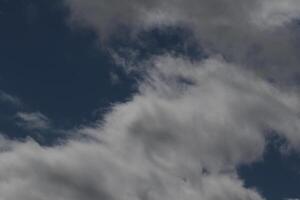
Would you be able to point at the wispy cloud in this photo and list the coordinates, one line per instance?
(33, 121)
(7, 98)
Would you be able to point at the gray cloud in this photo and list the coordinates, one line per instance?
(7, 98)
(181, 136)
(33, 121)
(216, 13)
(260, 33)
(191, 124)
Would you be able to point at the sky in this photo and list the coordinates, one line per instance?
(149, 100)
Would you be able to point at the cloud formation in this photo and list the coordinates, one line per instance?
(191, 124)
(215, 13)
(261, 33)
(33, 121)
(182, 136)
(7, 98)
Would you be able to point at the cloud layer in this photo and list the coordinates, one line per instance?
(182, 136)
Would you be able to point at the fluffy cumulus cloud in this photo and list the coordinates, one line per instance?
(182, 136)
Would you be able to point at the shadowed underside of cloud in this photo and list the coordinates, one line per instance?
(182, 136)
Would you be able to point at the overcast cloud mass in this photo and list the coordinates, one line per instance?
(191, 123)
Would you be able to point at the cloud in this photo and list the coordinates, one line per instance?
(217, 13)
(190, 125)
(182, 136)
(33, 121)
(7, 98)
(260, 33)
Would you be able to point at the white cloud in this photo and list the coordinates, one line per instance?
(181, 137)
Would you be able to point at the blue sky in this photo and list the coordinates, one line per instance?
(75, 74)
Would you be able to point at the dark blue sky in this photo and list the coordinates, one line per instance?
(52, 68)
(65, 73)
(276, 176)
